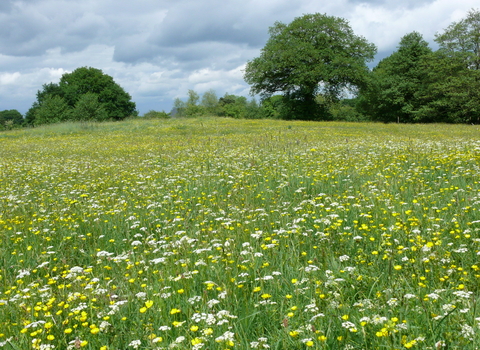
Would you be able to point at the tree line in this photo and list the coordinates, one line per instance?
(316, 62)
(314, 68)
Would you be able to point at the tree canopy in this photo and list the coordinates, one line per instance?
(84, 94)
(390, 94)
(415, 84)
(10, 118)
(463, 37)
(315, 54)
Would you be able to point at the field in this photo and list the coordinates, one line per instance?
(235, 234)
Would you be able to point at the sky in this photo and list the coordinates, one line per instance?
(159, 49)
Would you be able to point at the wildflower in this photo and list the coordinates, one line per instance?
(135, 344)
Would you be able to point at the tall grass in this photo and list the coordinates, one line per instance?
(239, 234)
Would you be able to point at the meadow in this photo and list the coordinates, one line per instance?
(223, 234)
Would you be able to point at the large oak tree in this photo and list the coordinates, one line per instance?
(315, 54)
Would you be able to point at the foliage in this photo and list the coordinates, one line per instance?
(192, 108)
(314, 54)
(115, 103)
(179, 107)
(53, 109)
(233, 106)
(210, 102)
(463, 36)
(88, 108)
(239, 234)
(390, 95)
(10, 119)
(227, 106)
(450, 91)
(346, 110)
(152, 114)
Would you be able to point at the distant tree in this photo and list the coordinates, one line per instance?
(463, 37)
(451, 82)
(10, 118)
(253, 110)
(192, 109)
(53, 109)
(210, 102)
(115, 100)
(315, 54)
(73, 86)
(233, 106)
(179, 107)
(390, 94)
(152, 114)
(271, 107)
(89, 108)
(451, 90)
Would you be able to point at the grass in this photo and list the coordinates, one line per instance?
(237, 234)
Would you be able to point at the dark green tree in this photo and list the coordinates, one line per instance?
(72, 87)
(89, 108)
(315, 54)
(451, 90)
(390, 95)
(112, 96)
(10, 119)
(53, 109)
(451, 81)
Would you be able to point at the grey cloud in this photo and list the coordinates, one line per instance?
(393, 3)
(242, 23)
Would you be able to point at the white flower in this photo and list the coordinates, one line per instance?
(344, 258)
(141, 295)
(350, 326)
(135, 344)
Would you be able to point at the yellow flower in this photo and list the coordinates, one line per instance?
(196, 341)
(322, 338)
(67, 331)
(148, 304)
(194, 328)
(309, 343)
(397, 267)
(293, 333)
(174, 311)
(257, 289)
(143, 310)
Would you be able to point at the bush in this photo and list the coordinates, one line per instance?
(152, 114)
